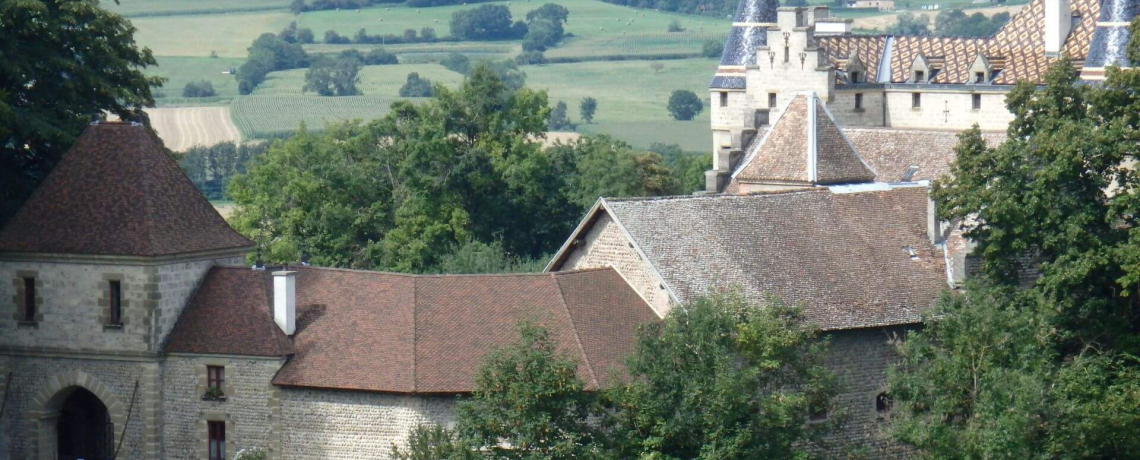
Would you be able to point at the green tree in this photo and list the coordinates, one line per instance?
(334, 77)
(608, 167)
(675, 26)
(1039, 360)
(380, 56)
(723, 379)
(957, 23)
(684, 104)
(712, 48)
(456, 62)
(41, 113)
(559, 120)
(305, 36)
(587, 108)
(487, 22)
(478, 257)
(909, 23)
(416, 86)
(200, 88)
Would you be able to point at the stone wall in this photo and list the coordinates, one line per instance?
(73, 310)
(860, 359)
(605, 245)
(353, 425)
(947, 110)
(842, 107)
(251, 406)
(37, 380)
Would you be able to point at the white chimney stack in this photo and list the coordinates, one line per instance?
(1058, 22)
(285, 300)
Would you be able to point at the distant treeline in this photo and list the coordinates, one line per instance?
(210, 168)
(705, 7)
(299, 6)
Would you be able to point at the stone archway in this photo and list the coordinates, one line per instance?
(66, 397)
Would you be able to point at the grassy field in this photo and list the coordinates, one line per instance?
(142, 8)
(597, 27)
(631, 98)
(181, 70)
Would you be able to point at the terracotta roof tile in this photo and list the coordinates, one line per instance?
(117, 192)
(785, 154)
(841, 255)
(397, 333)
(890, 152)
(230, 313)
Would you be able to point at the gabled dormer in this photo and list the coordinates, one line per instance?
(920, 70)
(981, 71)
(856, 71)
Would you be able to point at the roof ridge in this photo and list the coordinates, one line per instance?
(574, 328)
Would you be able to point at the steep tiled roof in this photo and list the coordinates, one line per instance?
(231, 313)
(843, 256)
(428, 334)
(1018, 47)
(117, 192)
(890, 152)
(749, 31)
(804, 145)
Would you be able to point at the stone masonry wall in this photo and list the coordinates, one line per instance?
(73, 309)
(249, 408)
(860, 360)
(19, 435)
(605, 245)
(351, 425)
(842, 107)
(947, 110)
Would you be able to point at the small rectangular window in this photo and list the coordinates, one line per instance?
(979, 77)
(29, 299)
(724, 98)
(217, 436)
(919, 75)
(916, 100)
(977, 101)
(854, 77)
(215, 378)
(787, 54)
(858, 100)
(116, 302)
(772, 100)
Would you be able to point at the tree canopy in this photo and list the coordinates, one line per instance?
(1038, 358)
(65, 63)
(684, 104)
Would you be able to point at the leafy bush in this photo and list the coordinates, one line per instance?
(380, 56)
(252, 453)
(487, 22)
(417, 86)
(333, 38)
(559, 120)
(456, 62)
(530, 58)
(684, 104)
(201, 88)
(675, 26)
(712, 48)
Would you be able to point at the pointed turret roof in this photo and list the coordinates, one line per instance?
(804, 146)
(117, 192)
(749, 31)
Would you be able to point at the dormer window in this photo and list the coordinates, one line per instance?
(919, 76)
(854, 77)
(979, 77)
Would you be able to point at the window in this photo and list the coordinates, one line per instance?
(855, 77)
(724, 98)
(818, 415)
(858, 100)
(217, 436)
(215, 378)
(772, 100)
(116, 302)
(883, 403)
(919, 75)
(29, 299)
(977, 100)
(916, 100)
(979, 77)
(787, 54)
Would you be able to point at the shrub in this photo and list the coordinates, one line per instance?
(559, 121)
(200, 88)
(684, 104)
(530, 58)
(380, 56)
(456, 62)
(712, 48)
(417, 86)
(675, 26)
(305, 36)
(333, 38)
(252, 453)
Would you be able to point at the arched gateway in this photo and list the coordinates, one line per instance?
(77, 417)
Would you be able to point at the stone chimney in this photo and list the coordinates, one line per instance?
(285, 300)
(1058, 22)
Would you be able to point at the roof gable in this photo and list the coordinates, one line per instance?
(803, 146)
(117, 192)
